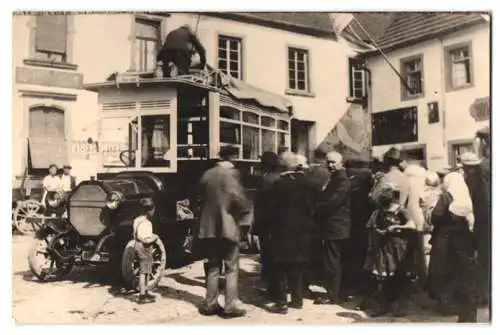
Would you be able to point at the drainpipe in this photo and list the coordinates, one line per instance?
(369, 107)
(442, 94)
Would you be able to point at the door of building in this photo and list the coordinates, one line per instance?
(300, 137)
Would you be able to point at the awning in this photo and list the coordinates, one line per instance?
(43, 152)
(242, 90)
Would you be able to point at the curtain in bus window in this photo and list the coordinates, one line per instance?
(250, 143)
(155, 141)
(230, 133)
(268, 140)
(282, 146)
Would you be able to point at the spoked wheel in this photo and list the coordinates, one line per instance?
(43, 263)
(130, 265)
(28, 217)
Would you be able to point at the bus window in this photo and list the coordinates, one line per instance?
(155, 136)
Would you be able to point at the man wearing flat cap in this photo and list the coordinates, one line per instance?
(68, 181)
(217, 238)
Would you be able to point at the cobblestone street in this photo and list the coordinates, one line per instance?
(87, 297)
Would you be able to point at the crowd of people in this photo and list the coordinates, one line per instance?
(357, 229)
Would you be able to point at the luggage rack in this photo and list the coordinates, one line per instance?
(207, 79)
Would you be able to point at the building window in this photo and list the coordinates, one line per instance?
(298, 70)
(253, 132)
(147, 44)
(51, 38)
(457, 149)
(413, 74)
(229, 58)
(459, 67)
(47, 137)
(357, 89)
(395, 126)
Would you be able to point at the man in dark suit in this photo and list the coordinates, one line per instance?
(292, 199)
(177, 49)
(356, 246)
(333, 217)
(217, 238)
(262, 210)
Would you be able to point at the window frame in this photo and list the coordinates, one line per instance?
(228, 38)
(153, 22)
(448, 65)
(405, 95)
(33, 105)
(307, 69)
(377, 140)
(452, 158)
(67, 63)
(138, 113)
(352, 62)
(261, 113)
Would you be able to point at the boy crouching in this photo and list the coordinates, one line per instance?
(144, 240)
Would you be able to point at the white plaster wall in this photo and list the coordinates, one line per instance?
(457, 122)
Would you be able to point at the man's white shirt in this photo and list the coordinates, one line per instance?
(52, 183)
(66, 183)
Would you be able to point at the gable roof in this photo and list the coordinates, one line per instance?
(310, 23)
(397, 30)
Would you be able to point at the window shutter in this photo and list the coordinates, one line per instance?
(51, 33)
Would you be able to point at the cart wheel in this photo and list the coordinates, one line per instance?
(130, 265)
(28, 217)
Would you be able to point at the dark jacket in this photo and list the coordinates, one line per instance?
(361, 206)
(478, 181)
(262, 204)
(224, 205)
(293, 205)
(182, 39)
(333, 209)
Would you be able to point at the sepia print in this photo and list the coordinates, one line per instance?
(252, 167)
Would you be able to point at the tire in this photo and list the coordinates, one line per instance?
(130, 265)
(38, 257)
(28, 217)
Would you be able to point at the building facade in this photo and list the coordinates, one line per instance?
(443, 95)
(295, 55)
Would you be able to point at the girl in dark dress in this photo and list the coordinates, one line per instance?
(390, 228)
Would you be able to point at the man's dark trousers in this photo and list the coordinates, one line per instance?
(180, 58)
(332, 263)
(289, 275)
